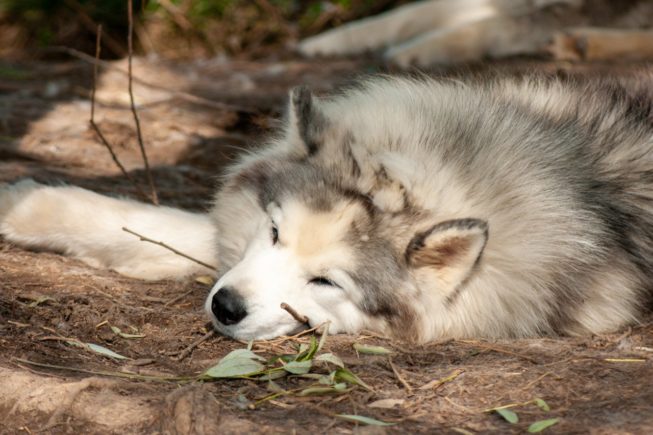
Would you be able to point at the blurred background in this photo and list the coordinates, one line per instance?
(173, 28)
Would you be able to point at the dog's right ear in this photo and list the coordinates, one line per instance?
(306, 122)
(448, 252)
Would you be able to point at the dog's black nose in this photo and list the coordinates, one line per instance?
(228, 306)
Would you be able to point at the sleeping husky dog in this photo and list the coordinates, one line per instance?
(417, 208)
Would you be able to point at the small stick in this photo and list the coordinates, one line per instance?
(437, 383)
(178, 298)
(194, 344)
(95, 127)
(169, 248)
(280, 340)
(139, 135)
(498, 350)
(132, 376)
(399, 377)
(299, 317)
(98, 49)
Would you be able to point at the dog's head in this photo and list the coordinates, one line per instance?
(295, 230)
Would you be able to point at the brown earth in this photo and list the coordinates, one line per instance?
(598, 384)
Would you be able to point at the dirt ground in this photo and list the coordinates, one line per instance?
(195, 117)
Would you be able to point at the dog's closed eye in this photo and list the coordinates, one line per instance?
(320, 280)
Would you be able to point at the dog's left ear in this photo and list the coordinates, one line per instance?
(306, 122)
(450, 251)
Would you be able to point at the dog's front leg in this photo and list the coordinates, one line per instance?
(89, 226)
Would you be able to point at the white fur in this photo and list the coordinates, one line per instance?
(88, 226)
(269, 275)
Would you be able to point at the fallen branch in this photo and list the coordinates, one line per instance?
(282, 339)
(139, 134)
(96, 128)
(437, 383)
(400, 378)
(299, 317)
(132, 376)
(178, 298)
(169, 248)
(184, 353)
(498, 350)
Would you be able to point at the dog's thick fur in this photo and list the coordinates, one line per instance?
(419, 208)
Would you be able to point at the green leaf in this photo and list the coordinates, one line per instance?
(313, 348)
(205, 279)
(302, 349)
(386, 403)
(327, 379)
(283, 358)
(117, 331)
(39, 301)
(507, 415)
(329, 357)
(240, 362)
(362, 419)
(323, 338)
(275, 388)
(539, 426)
(306, 353)
(298, 367)
(315, 376)
(104, 351)
(342, 386)
(273, 374)
(242, 353)
(542, 404)
(318, 390)
(371, 350)
(347, 376)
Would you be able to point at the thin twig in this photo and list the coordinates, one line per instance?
(498, 350)
(139, 134)
(95, 127)
(299, 317)
(98, 49)
(183, 354)
(280, 340)
(169, 248)
(437, 383)
(132, 376)
(59, 338)
(195, 99)
(399, 377)
(530, 384)
(178, 298)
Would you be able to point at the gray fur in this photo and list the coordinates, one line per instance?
(561, 171)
